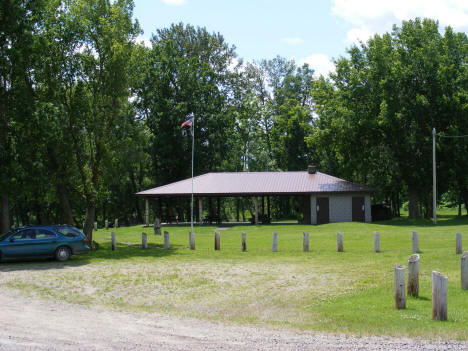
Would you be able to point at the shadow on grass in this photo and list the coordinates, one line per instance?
(422, 298)
(126, 251)
(442, 221)
(122, 252)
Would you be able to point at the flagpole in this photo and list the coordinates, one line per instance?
(193, 152)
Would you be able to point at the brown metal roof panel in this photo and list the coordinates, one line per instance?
(256, 183)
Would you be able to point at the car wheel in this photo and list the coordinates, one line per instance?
(62, 254)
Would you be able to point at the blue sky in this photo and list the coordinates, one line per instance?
(308, 31)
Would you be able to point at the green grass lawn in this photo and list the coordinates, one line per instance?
(322, 290)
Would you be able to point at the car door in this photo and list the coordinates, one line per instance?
(45, 242)
(19, 245)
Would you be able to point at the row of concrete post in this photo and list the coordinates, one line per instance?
(414, 241)
(106, 224)
(439, 285)
(305, 241)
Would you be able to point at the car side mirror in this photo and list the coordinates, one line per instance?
(12, 239)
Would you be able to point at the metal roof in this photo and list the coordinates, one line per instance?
(257, 183)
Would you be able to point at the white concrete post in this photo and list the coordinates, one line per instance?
(459, 247)
(464, 271)
(275, 242)
(157, 227)
(439, 296)
(376, 242)
(305, 242)
(415, 242)
(399, 277)
(192, 240)
(166, 240)
(413, 275)
(339, 241)
(113, 241)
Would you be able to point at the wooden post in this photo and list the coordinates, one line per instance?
(275, 242)
(166, 240)
(95, 225)
(415, 242)
(106, 224)
(144, 241)
(116, 223)
(305, 242)
(413, 275)
(459, 246)
(192, 240)
(399, 277)
(339, 241)
(376, 241)
(113, 241)
(439, 296)
(216, 243)
(255, 200)
(200, 210)
(146, 212)
(464, 271)
(244, 244)
(157, 227)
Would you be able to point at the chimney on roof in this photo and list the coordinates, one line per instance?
(312, 169)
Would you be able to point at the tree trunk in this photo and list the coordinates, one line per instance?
(5, 214)
(89, 222)
(428, 209)
(136, 200)
(62, 193)
(413, 205)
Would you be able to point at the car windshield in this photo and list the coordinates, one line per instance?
(70, 232)
(6, 235)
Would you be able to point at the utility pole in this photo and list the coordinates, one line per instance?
(193, 153)
(434, 187)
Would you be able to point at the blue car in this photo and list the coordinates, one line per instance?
(57, 241)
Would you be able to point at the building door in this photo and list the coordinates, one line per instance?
(359, 209)
(323, 210)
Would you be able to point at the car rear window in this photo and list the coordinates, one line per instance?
(69, 232)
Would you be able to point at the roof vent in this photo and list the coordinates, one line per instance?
(312, 169)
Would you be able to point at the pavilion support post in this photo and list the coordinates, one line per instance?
(255, 200)
(146, 212)
(218, 209)
(237, 209)
(263, 206)
(200, 210)
(268, 207)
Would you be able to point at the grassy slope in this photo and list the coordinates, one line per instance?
(320, 290)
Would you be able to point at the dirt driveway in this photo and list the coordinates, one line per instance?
(31, 324)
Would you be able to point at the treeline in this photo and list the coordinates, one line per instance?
(89, 115)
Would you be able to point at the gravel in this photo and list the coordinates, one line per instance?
(32, 324)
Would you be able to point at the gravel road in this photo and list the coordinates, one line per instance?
(30, 324)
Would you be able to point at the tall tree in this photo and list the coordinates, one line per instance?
(187, 73)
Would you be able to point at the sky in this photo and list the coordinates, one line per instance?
(313, 31)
